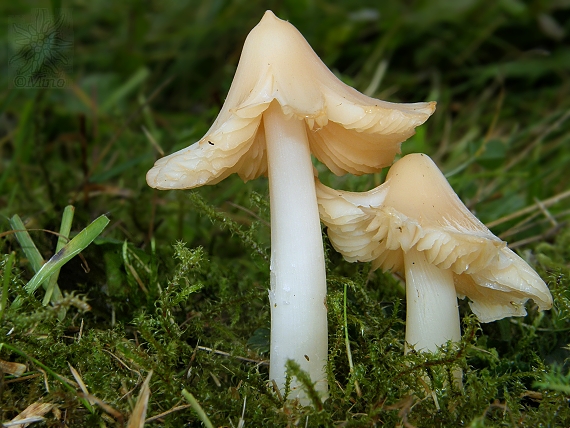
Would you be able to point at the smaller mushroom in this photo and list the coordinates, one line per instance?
(415, 224)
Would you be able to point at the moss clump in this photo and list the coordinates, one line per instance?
(195, 336)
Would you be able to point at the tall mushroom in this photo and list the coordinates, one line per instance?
(414, 223)
(283, 105)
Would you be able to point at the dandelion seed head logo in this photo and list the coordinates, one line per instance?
(43, 45)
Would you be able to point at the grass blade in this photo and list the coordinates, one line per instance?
(347, 344)
(198, 409)
(130, 85)
(25, 241)
(53, 292)
(70, 250)
(7, 275)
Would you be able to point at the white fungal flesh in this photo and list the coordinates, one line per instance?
(298, 282)
(432, 315)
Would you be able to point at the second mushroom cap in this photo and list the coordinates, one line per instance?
(416, 208)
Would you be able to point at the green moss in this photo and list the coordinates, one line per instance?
(171, 338)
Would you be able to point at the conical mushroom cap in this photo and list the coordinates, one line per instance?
(417, 208)
(347, 130)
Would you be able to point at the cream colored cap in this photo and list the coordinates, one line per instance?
(417, 208)
(347, 130)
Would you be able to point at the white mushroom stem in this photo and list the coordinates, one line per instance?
(432, 314)
(298, 282)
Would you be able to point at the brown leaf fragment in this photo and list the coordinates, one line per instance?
(15, 369)
(33, 413)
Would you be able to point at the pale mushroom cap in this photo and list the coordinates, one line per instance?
(417, 208)
(347, 130)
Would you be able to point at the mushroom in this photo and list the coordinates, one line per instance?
(283, 105)
(415, 224)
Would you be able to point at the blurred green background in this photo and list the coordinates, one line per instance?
(499, 71)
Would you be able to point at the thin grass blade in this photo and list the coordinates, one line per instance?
(129, 86)
(53, 292)
(30, 250)
(6, 277)
(198, 409)
(70, 250)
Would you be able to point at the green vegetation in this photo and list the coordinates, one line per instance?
(176, 283)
